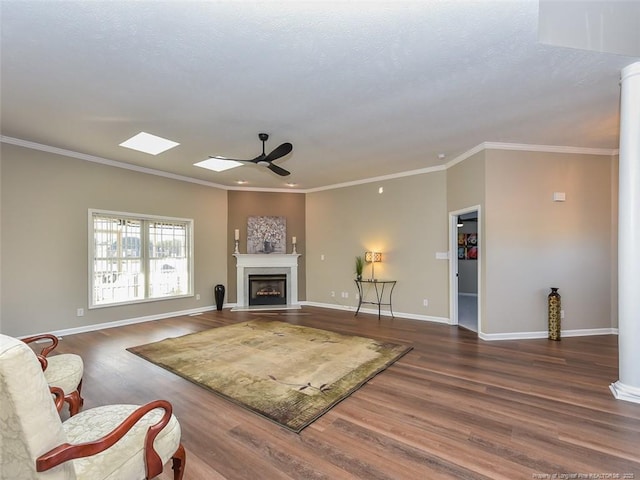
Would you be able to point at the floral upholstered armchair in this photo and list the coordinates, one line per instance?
(114, 442)
(63, 371)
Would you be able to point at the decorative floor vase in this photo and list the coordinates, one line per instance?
(554, 314)
(218, 293)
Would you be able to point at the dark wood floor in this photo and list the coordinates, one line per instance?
(454, 407)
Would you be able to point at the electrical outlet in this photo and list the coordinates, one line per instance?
(333, 294)
(561, 313)
(425, 302)
(197, 296)
(322, 257)
(80, 312)
(345, 294)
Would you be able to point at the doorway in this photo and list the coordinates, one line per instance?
(464, 269)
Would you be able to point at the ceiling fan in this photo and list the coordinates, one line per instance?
(267, 160)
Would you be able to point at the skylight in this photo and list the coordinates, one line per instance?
(147, 143)
(218, 164)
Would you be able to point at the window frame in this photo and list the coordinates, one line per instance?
(145, 258)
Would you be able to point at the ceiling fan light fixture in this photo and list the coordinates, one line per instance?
(218, 164)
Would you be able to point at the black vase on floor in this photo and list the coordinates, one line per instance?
(218, 293)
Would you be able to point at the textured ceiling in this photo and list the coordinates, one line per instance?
(361, 89)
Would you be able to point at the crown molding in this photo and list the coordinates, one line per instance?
(104, 161)
(408, 173)
(549, 148)
(460, 158)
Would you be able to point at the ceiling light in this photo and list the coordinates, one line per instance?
(217, 164)
(441, 156)
(241, 182)
(291, 184)
(147, 143)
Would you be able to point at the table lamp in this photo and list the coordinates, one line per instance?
(372, 257)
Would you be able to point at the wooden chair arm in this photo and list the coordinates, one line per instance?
(48, 336)
(153, 463)
(44, 363)
(59, 394)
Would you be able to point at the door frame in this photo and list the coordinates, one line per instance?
(453, 263)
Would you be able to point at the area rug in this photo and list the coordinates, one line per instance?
(287, 373)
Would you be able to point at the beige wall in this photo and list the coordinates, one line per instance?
(45, 200)
(242, 205)
(532, 243)
(407, 223)
(528, 243)
(466, 183)
(614, 241)
(466, 186)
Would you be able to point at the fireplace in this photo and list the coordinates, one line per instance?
(282, 266)
(267, 289)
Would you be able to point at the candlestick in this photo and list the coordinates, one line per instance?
(237, 234)
(236, 250)
(293, 240)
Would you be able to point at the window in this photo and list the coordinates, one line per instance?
(136, 258)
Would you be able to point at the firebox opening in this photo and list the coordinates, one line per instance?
(267, 289)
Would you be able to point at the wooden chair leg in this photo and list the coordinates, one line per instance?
(75, 401)
(79, 393)
(178, 459)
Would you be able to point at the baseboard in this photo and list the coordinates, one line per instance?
(374, 311)
(371, 311)
(332, 306)
(544, 334)
(625, 392)
(128, 321)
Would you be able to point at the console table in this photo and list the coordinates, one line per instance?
(379, 287)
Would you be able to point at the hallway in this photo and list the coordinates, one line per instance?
(468, 311)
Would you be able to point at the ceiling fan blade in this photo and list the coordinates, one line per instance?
(217, 157)
(278, 152)
(279, 170)
(263, 159)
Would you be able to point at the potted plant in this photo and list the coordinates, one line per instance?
(359, 267)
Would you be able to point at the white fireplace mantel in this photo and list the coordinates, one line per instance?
(270, 263)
